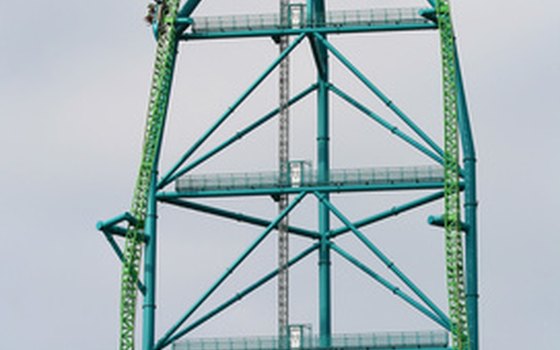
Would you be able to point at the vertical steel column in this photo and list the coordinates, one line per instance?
(471, 205)
(324, 218)
(149, 306)
(283, 165)
(317, 17)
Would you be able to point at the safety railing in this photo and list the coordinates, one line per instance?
(366, 17)
(308, 178)
(388, 340)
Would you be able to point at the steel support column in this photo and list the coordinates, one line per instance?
(316, 12)
(471, 205)
(149, 306)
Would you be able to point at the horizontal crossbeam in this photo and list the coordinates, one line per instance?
(274, 192)
(353, 21)
(237, 216)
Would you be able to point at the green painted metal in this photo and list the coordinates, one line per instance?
(157, 110)
(118, 252)
(452, 206)
(379, 340)
(122, 232)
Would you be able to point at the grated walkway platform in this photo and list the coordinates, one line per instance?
(390, 340)
(298, 19)
(308, 178)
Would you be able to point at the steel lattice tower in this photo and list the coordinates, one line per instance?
(452, 178)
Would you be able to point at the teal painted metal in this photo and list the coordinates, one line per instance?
(379, 254)
(307, 178)
(120, 255)
(292, 190)
(309, 31)
(336, 22)
(390, 104)
(440, 222)
(317, 15)
(471, 205)
(233, 267)
(183, 17)
(238, 296)
(386, 124)
(157, 111)
(172, 175)
(188, 8)
(238, 216)
(142, 223)
(121, 232)
(149, 306)
(394, 289)
(305, 19)
(388, 213)
(239, 135)
(102, 225)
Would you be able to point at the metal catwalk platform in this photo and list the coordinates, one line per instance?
(429, 340)
(302, 177)
(347, 18)
(452, 179)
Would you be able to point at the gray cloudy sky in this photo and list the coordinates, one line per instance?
(74, 79)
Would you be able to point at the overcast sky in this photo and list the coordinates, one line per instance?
(74, 80)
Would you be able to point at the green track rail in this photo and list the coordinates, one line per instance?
(452, 215)
(157, 110)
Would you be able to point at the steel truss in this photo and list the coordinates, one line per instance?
(138, 226)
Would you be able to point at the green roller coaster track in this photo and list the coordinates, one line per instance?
(169, 31)
(452, 190)
(157, 110)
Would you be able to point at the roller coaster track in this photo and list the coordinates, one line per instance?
(157, 110)
(452, 217)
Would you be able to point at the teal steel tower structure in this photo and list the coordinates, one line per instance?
(452, 176)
